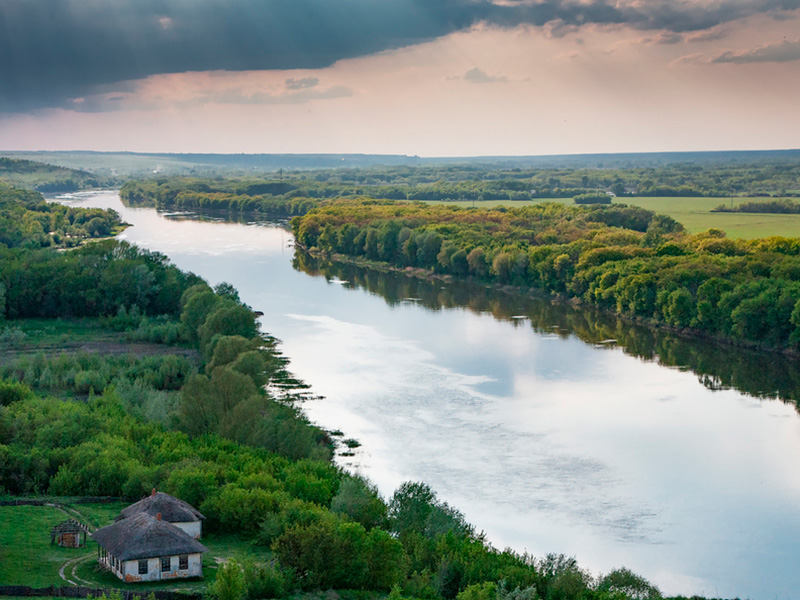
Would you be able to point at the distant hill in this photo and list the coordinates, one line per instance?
(126, 164)
(44, 177)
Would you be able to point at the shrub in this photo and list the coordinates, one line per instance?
(592, 199)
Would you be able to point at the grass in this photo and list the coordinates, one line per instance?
(693, 213)
(97, 515)
(53, 336)
(44, 333)
(27, 558)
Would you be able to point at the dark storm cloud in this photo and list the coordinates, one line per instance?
(54, 50)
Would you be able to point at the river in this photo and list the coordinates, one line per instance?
(552, 429)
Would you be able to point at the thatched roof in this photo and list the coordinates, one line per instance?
(69, 526)
(171, 508)
(143, 536)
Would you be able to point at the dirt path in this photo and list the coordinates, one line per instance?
(74, 566)
(62, 570)
(72, 563)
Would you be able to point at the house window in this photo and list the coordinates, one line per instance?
(143, 567)
(183, 563)
(166, 563)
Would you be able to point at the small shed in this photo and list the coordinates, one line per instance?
(69, 534)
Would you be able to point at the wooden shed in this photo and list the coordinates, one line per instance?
(69, 534)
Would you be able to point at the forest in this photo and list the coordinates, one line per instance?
(26, 220)
(628, 260)
(295, 192)
(208, 424)
(47, 178)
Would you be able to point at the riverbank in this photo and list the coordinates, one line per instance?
(428, 275)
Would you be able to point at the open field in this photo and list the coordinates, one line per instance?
(27, 558)
(693, 213)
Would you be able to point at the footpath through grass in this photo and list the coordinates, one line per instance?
(693, 213)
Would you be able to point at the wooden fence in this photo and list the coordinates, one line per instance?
(86, 592)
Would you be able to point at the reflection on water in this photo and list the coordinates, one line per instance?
(718, 367)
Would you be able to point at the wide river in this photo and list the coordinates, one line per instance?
(675, 459)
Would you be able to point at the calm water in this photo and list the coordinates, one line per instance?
(668, 457)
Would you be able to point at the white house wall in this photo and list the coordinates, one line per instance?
(130, 569)
(193, 528)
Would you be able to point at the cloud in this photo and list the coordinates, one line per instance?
(52, 51)
(711, 35)
(300, 84)
(475, 75)
(664, 38)
(189, 90)
(785, 51)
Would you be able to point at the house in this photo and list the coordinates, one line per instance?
(146, 548)
(172, 510)
(69, 534)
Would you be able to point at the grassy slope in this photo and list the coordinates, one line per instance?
(694, 214)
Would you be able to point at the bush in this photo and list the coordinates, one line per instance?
(230, 582)
(592, 199)
(13, 391)
(90, 380)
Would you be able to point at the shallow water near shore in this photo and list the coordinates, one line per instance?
(670, 457)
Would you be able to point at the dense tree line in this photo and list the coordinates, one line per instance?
(295, 192)
(503, 182)
(780, 206)
(675, 179)
(625, 259)
(592, 199)
(274, 199)
(27, 220)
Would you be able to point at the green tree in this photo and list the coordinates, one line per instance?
(230, 583)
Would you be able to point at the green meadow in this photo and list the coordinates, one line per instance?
(693, 213)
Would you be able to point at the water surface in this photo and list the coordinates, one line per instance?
(671, 457)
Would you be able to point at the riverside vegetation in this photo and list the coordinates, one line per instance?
(216, 425)
(625, 259)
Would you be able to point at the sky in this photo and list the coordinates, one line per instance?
(416, 77)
